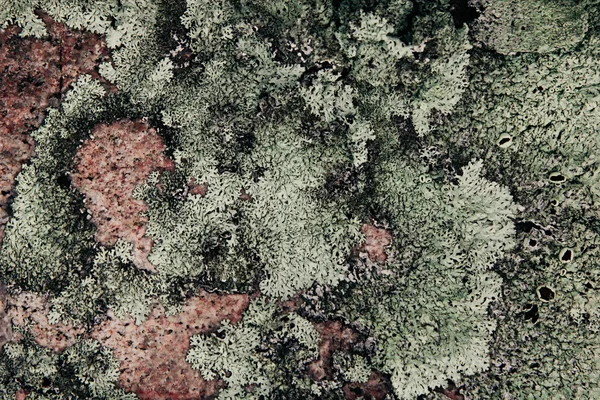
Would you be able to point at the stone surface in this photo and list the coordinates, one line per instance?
(6, 333)
(451, 391)
(199, 189)
(27, 307)
(108, 167)
(376, 388)
(35, 74)
(153, 354)
(334, 336)
(377, 239)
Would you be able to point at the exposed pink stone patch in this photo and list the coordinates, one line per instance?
(30, 307)
(377, 239)
(376, 388)
(35, 75)
(21, 395)
(451, 391)
(334, 336)
(153, 354)
(245, 196)
(108, 167)
(195, 188)
(6, 333)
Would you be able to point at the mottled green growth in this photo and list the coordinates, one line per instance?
(541, 26)
(328, 98)
(248, 357)
(428, 313)
(546, 345)
(374, 51)
(448, 79)
(47, 237)
(84, 370)
(476, 145)
(307, 242)
(354, 368)
(113, 282)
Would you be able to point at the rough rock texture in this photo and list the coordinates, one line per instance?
(6, 333)
(34, 74)
(108, 167)
(29, 307)
(21, 395)
(334, 336)
(377, 239)
(195, 188)
(245, 196)
(376, 388)
(153, 354)
(452, 392)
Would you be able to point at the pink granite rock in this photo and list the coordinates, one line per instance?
(32, 308)
(108, 167)
(153, 354)
(334, 337)
(35, 74)
(377, 239)
(376, 388)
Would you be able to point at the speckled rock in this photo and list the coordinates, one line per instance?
(108, 167)
(21, 395)
(26, 307)
(35, 73)
(451, 391)
(6, 333)
(197, 189)
(376, 388)
(377, 239)
(153, 354)
(334, 336)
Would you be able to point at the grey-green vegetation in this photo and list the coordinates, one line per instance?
(86, 370)
(474, 141)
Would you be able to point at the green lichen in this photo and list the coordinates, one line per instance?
(513, 26)
(83, 370)
(476, 145)
(248, 356)
(539, 137)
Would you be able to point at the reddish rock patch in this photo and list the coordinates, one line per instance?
(153, 354)
(451, 391)
(376, 388)
(29, 307)
(21, 395)
(245, 196)
(377, 239)
(334, 336)
(293, 303)
(194, 188)
(6, 333)
(108, 167)
(35, 73)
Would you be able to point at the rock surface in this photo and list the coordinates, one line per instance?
(35, 74)
(108, 167)
(153, 354)
(377, 239)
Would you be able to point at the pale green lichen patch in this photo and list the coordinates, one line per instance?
(291, 127)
